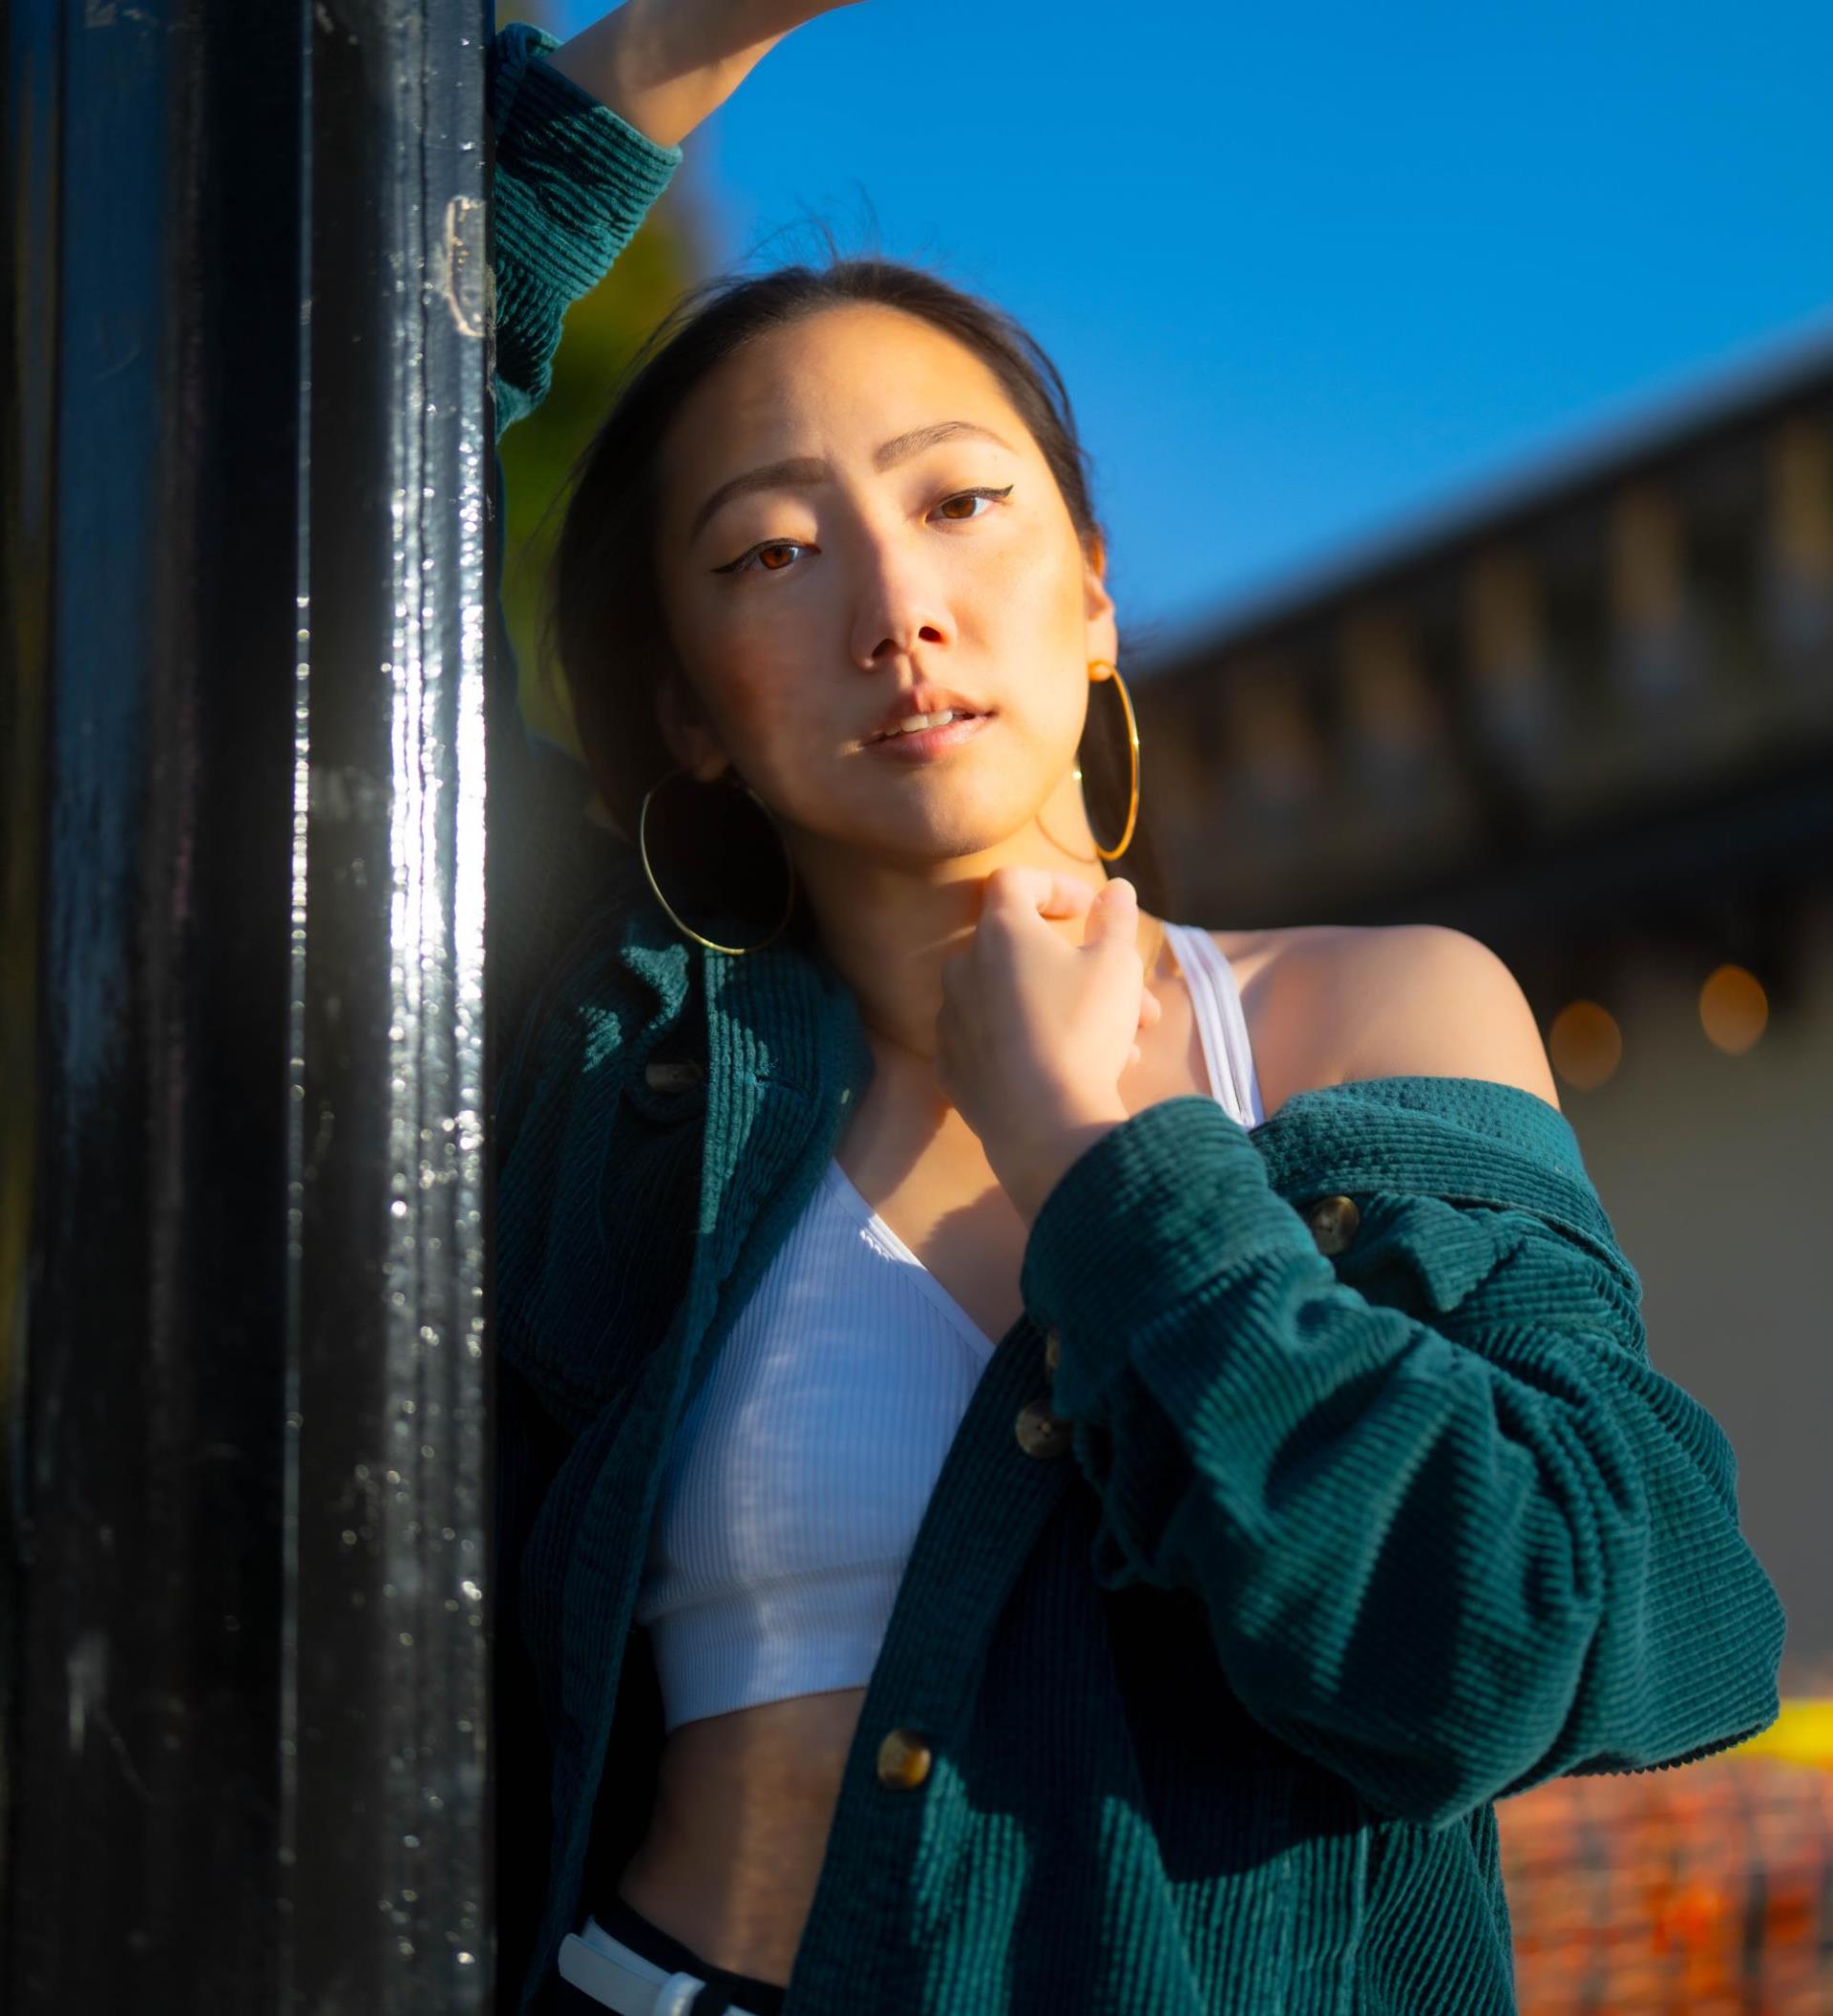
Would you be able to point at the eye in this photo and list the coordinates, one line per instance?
(753, 561)
(971, 496)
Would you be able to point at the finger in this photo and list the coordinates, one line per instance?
(1150, 1008)
(1068, 896)
(1113, 918)
(1036, 892)
(1063, 895)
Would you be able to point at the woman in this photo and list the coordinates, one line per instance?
(870, 1151)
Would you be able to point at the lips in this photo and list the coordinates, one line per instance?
(921, 699)
(923, 746)
(897, 734)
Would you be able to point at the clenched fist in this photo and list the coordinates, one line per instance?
(1033, 1032)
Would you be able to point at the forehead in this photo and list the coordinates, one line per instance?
(842, 378)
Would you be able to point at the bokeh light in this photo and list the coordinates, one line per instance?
(1585, 1044)
(1734, 1010)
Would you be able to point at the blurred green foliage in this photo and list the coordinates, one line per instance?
(603, 332)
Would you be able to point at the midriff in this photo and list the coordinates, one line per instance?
(744, 1801)
(740, 1828)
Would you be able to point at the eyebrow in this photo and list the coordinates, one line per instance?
(800, 471)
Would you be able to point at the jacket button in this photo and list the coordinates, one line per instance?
(1052, 1351)
(1333, 1223)
(903, 1760)
(1040, 1432)
(671, 1074)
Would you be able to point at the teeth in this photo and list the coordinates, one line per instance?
(914, 724)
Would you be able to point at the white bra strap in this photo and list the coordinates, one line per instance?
(1227, 1049)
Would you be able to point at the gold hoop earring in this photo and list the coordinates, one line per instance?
(642, 851)
(1112, 853)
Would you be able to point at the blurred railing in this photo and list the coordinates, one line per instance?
(1550, 703)
(1703, 1891)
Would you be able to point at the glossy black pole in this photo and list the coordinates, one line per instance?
(248, 1742)
(384, 1732)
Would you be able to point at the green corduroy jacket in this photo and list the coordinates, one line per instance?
(1217, 1686)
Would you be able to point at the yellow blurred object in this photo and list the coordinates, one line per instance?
(603, 329)
(1803, 1734)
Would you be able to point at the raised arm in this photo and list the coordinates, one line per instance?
(665, 65)
(587, 135)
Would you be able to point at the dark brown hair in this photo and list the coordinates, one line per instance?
(605, 624)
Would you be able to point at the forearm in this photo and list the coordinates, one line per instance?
(572, 180)
(666, 65)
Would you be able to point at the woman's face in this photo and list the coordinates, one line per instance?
(803, 605)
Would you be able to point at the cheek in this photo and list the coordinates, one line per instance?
(732, 661)
(1032, 629)
(751, 699)
(1040, 636)
(763, 708)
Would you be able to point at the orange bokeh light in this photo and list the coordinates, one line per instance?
(1734, 1010)
(1585, 1044)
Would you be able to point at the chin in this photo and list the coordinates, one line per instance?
(937, 839)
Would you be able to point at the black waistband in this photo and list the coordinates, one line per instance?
(723, 1989)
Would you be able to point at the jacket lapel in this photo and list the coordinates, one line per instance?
(788, 1061)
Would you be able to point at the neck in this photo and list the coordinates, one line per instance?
(887, 925)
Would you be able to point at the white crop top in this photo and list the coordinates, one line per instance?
(802, 1470)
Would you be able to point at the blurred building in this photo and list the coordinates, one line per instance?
(1589, 720)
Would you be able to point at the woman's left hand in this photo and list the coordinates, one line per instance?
(1033, 1033)
(663, 66)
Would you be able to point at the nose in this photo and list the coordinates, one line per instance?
(900, 604)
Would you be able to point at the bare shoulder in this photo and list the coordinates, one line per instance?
(1330, 1003)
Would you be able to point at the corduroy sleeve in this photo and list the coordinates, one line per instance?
(1453, 1532)
(571, 180)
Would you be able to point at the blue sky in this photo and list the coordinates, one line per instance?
(1314, 272)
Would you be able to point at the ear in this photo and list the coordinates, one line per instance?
(690, 741)
(1104, 634)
